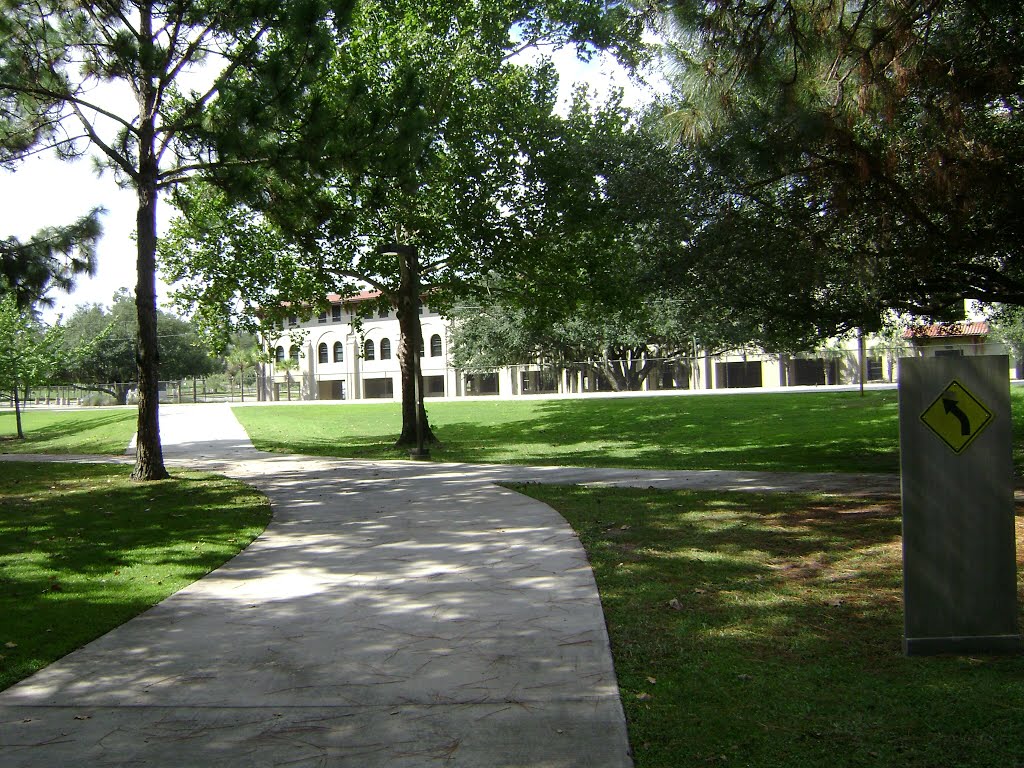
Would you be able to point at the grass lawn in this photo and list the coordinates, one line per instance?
(797, 431)
(106, 431)
(766, 631)
(83, 549)
(815, 431)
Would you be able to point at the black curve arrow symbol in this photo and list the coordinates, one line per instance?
(952, 407)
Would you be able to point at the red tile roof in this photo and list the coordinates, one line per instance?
(946, 330)
(337, 298)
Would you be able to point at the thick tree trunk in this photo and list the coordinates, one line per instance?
(149, 459)
(409, 344)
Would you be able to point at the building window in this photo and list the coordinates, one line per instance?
(293, 320)
(368, 351)
(322, 317)
(482, 384)
(378, 388)
(875, 371)
(435, 346)
(383, 312)
(738, 375)
(339, 352)
(385, 349)
(321, 353)
(433, 386)
(294, 354)
(336, 313)
(279, 355)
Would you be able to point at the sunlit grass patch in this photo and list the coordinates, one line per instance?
(765, 631)
(106, 431)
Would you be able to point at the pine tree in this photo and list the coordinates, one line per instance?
(133, 82)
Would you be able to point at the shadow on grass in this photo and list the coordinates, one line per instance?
(376, 590)
(797, 432)
(767, 630)
(82, 549)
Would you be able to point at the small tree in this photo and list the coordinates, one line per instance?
(31, 354)
(240, 359)
(288, 365)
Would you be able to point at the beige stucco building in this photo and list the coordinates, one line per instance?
(348, 353)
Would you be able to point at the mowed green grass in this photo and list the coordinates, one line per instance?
(765, 631)
(83, 549)
(797, 431)
(106, 431)
(794, 431)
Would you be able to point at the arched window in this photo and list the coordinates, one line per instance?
(385, 349)
(293, 353)
(339, 352)
(368, 352)
(435, 346)
(279, 354)
(321, 353)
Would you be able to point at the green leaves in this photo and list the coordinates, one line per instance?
(421, 128)
(32, 352)
(873, 148)
(53, 257)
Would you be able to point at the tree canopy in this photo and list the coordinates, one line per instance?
(621, 345)
(52, 258)
(107, 340)
(121, 80)
(871, 153)
(437, 127)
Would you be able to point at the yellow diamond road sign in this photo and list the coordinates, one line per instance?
(957, 417)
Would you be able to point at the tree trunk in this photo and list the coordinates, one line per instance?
(149, 459)
(862, 363)
(409, 343)
(17, 412)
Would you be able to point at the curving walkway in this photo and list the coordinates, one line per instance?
(393, 614)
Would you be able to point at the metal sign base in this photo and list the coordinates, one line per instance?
(956, 474)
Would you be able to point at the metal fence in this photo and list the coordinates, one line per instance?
(126, 393)
(375, 381)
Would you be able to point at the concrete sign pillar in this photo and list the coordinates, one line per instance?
(959, 548)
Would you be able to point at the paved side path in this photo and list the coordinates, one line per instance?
(393, 614)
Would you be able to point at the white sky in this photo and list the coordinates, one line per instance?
(45, 191)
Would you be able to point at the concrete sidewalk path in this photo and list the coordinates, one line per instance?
(389, 616)
(393, 614)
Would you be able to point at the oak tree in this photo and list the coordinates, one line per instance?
(440, 190)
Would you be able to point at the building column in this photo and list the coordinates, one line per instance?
(355, 390)
(507, 381)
